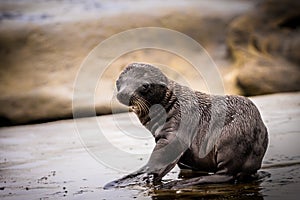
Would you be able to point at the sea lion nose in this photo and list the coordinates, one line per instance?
(123, 97)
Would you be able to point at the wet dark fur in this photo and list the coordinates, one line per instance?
(235, 153)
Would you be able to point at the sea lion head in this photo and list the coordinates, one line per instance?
(140, 86)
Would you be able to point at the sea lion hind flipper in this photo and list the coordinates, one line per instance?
(179, 184)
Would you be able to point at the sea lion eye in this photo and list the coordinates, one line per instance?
(145, 87)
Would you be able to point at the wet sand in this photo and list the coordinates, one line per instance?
(74, 158)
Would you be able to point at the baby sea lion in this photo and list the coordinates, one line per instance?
(221, 135)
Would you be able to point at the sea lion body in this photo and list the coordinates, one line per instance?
(223, 135)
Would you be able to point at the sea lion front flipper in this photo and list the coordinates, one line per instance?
(136, 178)
(164, 157)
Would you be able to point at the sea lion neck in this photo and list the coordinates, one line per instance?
(170, 96)
(157, 113)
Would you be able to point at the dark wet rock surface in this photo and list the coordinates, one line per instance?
(67, 158)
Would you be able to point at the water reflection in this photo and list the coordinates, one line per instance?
(245, 190)
(277, 182)
(213, 191)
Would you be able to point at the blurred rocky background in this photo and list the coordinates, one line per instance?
(255, 44)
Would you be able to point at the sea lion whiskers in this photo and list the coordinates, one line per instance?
(139, 105)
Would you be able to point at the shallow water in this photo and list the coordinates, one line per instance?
(75, 159)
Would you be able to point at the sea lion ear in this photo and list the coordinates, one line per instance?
(163, 81)
(163, 84)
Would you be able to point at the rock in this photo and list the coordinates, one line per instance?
(263, 76)
(36, 105)
(42, 45)
(265, 45)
